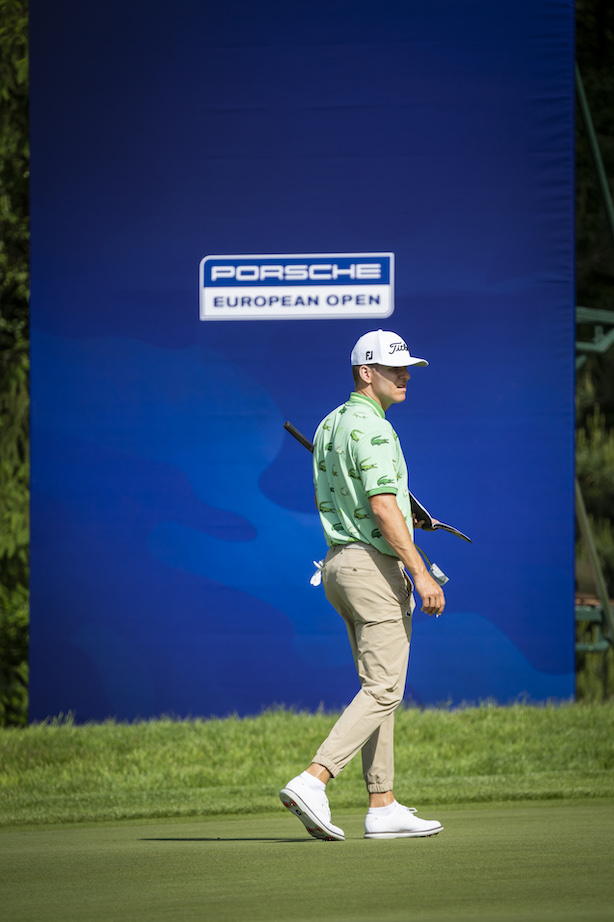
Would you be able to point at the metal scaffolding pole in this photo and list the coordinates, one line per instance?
(595, 152)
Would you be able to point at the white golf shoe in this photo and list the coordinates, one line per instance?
(400, 823)
(312, 809)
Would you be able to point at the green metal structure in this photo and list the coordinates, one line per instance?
(599, 617)
(602, 338)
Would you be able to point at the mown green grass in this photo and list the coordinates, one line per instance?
(62, 772)
(534, 862)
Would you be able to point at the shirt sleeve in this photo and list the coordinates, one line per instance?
(376, 457)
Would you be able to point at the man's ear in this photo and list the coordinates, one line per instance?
(366, 374)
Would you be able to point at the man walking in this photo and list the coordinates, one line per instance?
(362, 495)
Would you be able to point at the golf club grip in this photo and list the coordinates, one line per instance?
(298, 436)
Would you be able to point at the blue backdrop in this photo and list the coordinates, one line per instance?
(173, 526)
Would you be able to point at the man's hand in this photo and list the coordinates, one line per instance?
(431, 593)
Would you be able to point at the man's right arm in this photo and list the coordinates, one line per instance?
(394, 530)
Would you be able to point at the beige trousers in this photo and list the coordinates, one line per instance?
(373, 595)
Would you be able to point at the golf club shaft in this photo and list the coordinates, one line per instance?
(298, 436)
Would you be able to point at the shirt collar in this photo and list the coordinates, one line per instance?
(355, 397)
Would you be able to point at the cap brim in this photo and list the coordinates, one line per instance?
(412, 360)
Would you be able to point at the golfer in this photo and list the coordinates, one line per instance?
(362, 495)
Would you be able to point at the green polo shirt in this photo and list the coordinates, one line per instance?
(356, 455)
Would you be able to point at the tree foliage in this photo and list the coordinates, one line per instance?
(14, 294)
(595, 256)
(14, 360)
(595, 277)
(14, 618)
(594, 241)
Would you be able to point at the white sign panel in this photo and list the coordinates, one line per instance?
(308, 286)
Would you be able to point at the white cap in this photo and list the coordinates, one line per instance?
(382, 347)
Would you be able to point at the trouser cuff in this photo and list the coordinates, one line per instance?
(380, 788)
(332, 767)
